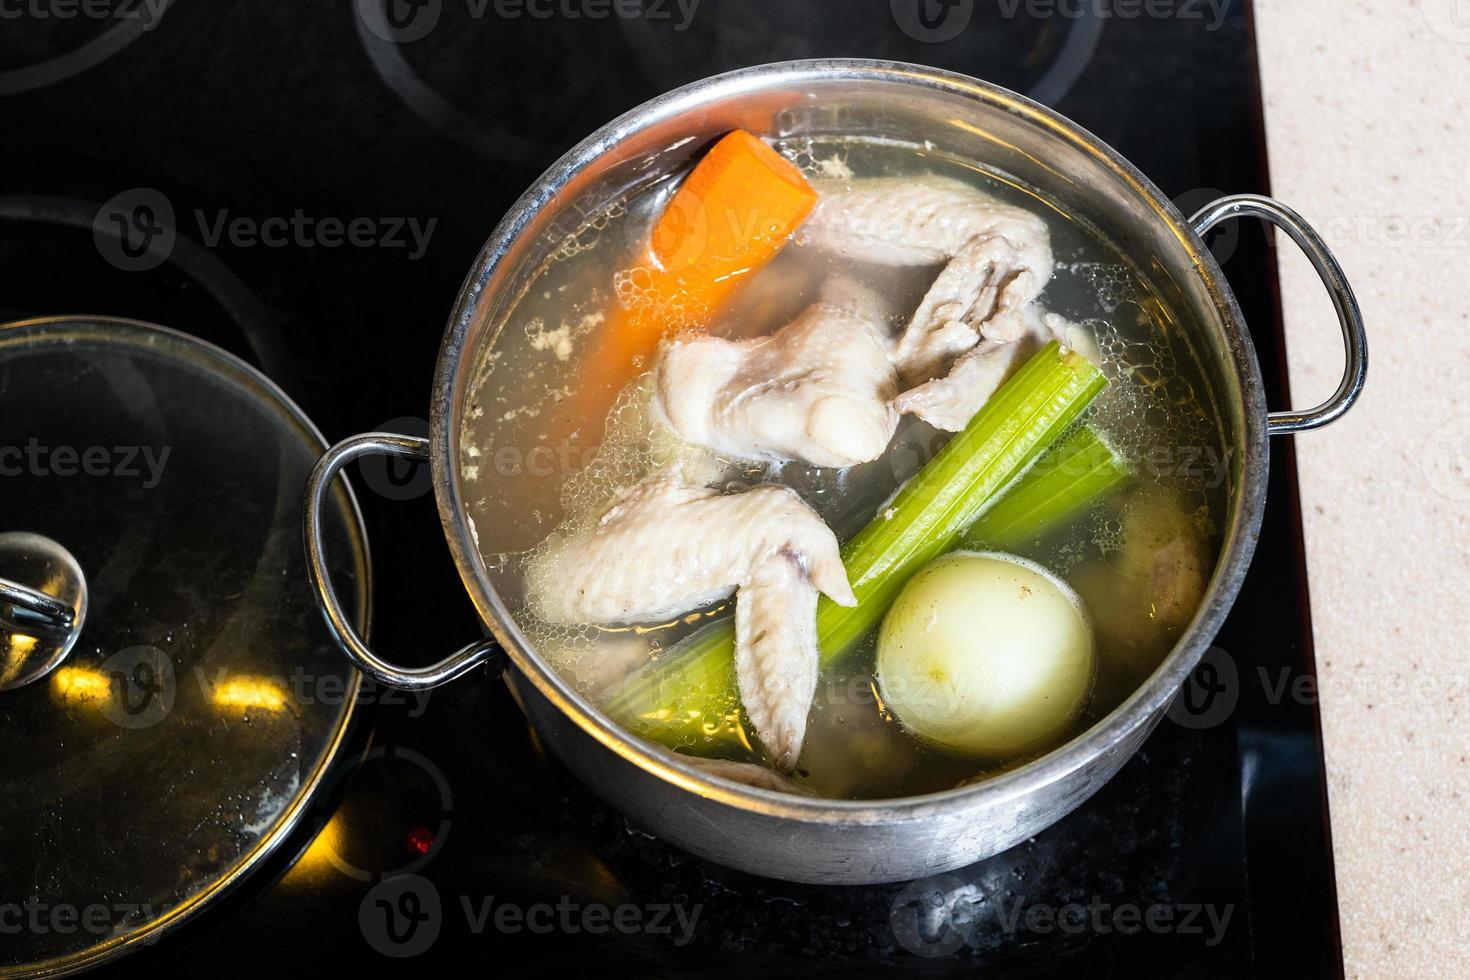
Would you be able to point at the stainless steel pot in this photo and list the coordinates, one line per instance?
(827, 841)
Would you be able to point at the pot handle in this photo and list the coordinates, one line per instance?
(317, 488)
(1348, 314)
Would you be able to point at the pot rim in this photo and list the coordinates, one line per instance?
(1147, 700)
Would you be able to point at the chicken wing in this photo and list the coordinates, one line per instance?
(668, 548)
(817, 390)
(950, 402)
(999, 257)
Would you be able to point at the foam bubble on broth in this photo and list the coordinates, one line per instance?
(1154, 417)
(590, 235)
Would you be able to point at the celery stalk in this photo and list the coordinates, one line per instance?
(1077, 472)
(690, 694)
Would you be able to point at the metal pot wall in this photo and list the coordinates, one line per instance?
(831, 841)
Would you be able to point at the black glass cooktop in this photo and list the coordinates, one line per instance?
(306, 184)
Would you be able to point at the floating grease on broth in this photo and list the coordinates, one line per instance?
(1139, 559)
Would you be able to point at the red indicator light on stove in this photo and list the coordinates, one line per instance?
(419, 840)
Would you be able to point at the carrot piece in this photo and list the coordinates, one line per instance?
(732, 214)
(729, 217)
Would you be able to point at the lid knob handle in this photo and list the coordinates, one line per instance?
(43, 604)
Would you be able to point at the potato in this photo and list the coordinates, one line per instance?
(985, 654)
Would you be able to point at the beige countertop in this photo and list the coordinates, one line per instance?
(1368, 129)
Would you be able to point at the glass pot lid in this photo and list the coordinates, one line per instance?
(165, 721)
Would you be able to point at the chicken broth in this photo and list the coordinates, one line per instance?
(551, 442)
